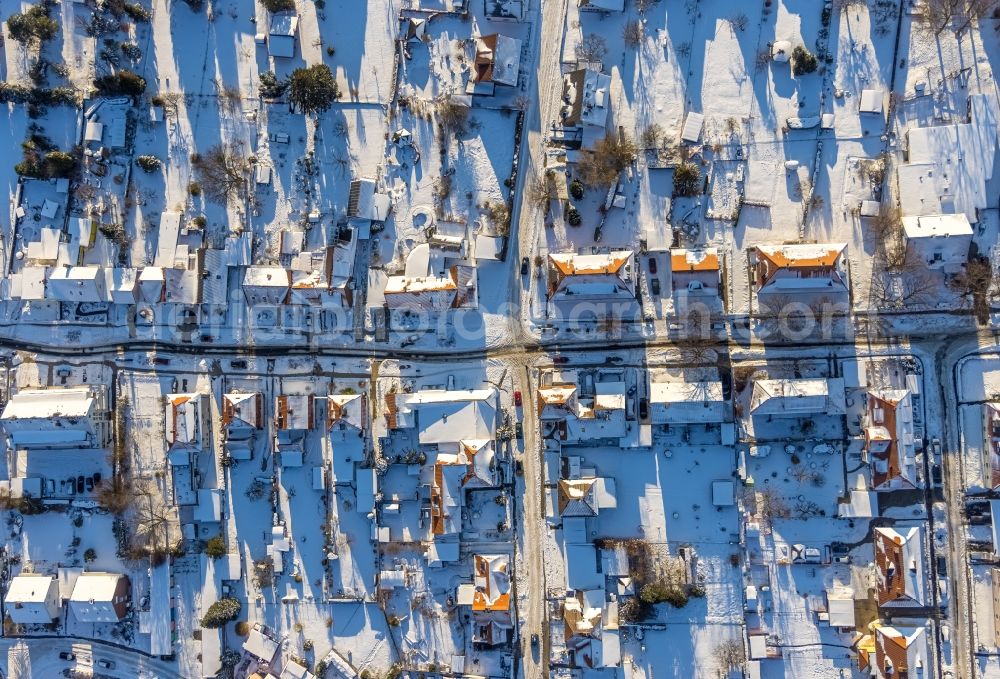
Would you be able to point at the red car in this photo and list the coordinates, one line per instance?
(517, 398)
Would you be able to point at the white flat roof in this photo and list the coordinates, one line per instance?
(937, 226)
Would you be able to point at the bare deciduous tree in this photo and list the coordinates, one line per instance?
(453, 115)
(591, 48)
(633, 33)
(222, 172)
(730, 655)
(957, 14)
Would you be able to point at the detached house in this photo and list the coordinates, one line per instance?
(294, 416)
(347, 411)
(895, 653)
(497, 62)
(32, 599)
(100, 597)
(242, 413)
(797, 397)
(801, 269)
(185, 418)
(889, 439)
(488, 599)
(899, 564)
(695, 271)
(609, 276)
(78, 417)
(585, 497)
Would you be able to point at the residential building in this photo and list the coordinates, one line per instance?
(797, 397)
(896, 653)
(242, 413)
(347, 411)
(608, 276)
(492, 623)
(678, 402)
(497, 62)
(901, 578)
(456, 289)
(294, 412)
(585, 497)
(186, 421)
(949, 167)
(281, 35)
(76, 417)
(266, 285)
(889, 439)
(940, 241)
(696, 272)
(444, 417)
(32, 599)
(587, 99)
(100, 597)
(818, 269)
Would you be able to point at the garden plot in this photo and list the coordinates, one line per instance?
(462, 183)
(362, 38)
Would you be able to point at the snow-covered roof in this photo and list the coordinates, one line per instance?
(950, 165)
(260, 645)
(32, 599)
(183, 419)
(281, 35)
(348, 409)
(587, 93)
(581, 567)
(447, 496)
(50, 403)
(686, 402)
(690, 261)
(77, 284)
(899, 563)
(243, 410)
(446, 416)
(797, 397)
(937, 226)
(498, 59)
(492, 582)
(840, 606)
(166, 239)
(94, 597)
(871, 101)
(691, 132)
(365, 202)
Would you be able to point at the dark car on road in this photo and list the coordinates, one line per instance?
(66, 655)
(524, 266)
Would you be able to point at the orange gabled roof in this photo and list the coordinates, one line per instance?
(801, 256)
(694, 260)
(579, 265)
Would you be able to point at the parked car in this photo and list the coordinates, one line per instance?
(66, 655)
(560, 360)
(936, 474)
(643, 409)
(517, 398)
(534, 641)
(519, 430)
(106, 664)
(518, 467)
(524, 266)
(655, 286)
(652, 265)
